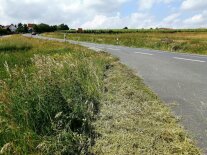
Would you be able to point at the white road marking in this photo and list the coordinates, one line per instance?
(113, 49)
(188, 59)
(94, 48)
(143, 53)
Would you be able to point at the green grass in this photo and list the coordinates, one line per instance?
(115, 31)
(49, 97)
(57, 98)
(133, 120)
(185, 42)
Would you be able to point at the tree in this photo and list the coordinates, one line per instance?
(22, 28)
(63, 27)
(41, 28)
(54, 28)
(25, 28)
(3, 31)
(35, 28)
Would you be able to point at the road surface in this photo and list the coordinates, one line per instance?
(178, 79)
(5, 36)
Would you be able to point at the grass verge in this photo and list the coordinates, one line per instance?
(57, 98)
(132, 120)
(184, 42)
(48, 98)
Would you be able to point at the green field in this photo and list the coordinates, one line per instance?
(58, 98)
(175, 41)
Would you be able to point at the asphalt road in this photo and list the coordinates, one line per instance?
(178, 79)
(5, 36)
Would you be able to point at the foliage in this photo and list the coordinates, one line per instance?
(63, 27)
(47, 102)
(22, 28)
(3, 32)
(47, 28)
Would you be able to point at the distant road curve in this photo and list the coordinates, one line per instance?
(5, 36)
(176, 78)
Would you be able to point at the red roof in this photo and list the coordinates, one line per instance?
(30, 25)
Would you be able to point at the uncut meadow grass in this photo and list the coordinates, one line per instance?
(49, 97)
(185, 42)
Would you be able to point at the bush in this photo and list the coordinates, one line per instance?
(3, 32)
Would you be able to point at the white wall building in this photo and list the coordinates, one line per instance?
(12, 28)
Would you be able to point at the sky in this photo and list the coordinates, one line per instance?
(96, 14)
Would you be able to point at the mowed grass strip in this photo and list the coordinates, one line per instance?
(185, 42)
(133, 121)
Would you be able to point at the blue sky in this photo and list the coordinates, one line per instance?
(107, 13)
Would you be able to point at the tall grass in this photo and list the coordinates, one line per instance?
(115, 31)
(57, 99)
(47, 102)
(188, 42)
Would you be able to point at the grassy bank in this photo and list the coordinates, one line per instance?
(57, 98)
(49, 95)
(185, 42)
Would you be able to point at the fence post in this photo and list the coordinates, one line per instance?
(117, 42)
(117, 39)
(64, 37)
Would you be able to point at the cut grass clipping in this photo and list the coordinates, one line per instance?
(133, 121)
(58, 98)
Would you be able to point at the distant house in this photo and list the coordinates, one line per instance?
(30, 27)
(80, 30)
(11, 28)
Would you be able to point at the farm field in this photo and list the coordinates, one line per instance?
(176, 41)
(58, 98)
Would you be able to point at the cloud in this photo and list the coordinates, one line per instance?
(105, 13)
(148, 4)
(194, 4)
(56, 11)
(198, 20)
(135, 20)
(172, 17)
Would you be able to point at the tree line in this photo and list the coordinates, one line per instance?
(38, 28)
(49, 28)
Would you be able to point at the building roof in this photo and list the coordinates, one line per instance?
(30, 25)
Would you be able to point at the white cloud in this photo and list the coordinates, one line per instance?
(56, 11)
(198, 20)
(194, 4)
(135, 20)
(172, 17)
(105, 13)
(171, 21)
(148, 4)
(195, 19)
